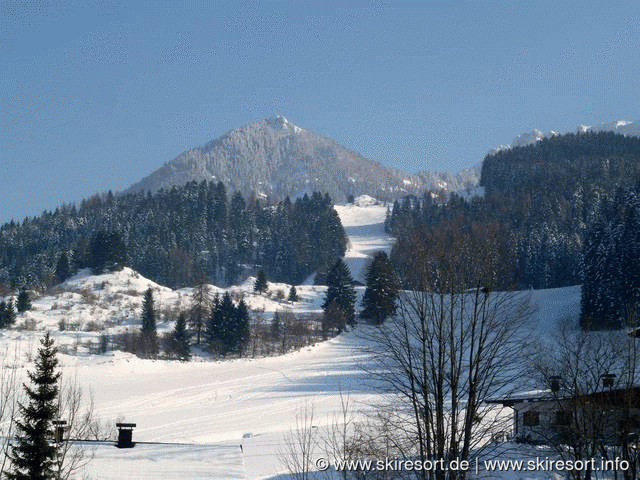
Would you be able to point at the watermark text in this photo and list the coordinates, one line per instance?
(538, 464)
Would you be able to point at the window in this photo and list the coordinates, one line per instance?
(531, 418)
(563, 417)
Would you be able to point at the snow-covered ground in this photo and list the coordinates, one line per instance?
(364, 225)
(215, 419)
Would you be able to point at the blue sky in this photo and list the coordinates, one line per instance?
(96, 95)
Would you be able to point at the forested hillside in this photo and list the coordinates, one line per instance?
(611, 264)
(541, 202)
(176, 237)
(276, 158)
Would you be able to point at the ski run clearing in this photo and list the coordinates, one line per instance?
(209, 419)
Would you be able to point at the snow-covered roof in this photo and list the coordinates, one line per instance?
(526, 396)
(548, 395)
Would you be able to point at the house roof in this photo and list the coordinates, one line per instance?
(520, 397)
(605, 394)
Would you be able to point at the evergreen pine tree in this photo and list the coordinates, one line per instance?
(3, 314)
(24, 302)
(107, 251)
(340, 290)
(261, 285)
(10, 314)
(293, 294)
(33, 454)
(228, 328)
(217, 325)
(181, 338)
(63, 270)
(149, 333)
(379, 297)
(240, 330)
(333, 319)
(226, 319)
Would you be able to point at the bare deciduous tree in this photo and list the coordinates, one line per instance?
(442, 357)
(200, 308)
(300, 445)
(339, 437)
(78, 412)
(9, 388)
(453, 344)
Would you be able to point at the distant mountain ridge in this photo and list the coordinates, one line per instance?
(275, 158)
(622, 127)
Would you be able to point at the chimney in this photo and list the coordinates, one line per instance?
(608, 379)
(554, 383)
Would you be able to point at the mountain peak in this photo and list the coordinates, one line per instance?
(275, 158)
(280, 122)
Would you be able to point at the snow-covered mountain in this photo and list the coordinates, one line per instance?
(275, 158)
(623, 127)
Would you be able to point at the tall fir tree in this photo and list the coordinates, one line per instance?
(63, 269)
(149, 334)
(33, 454)
(218, 322)
(261, 285)
(24, 301)
(3, 314)
(240, 330)
(340, 291)
(380, 295)
(180, 339)
(333, 319)
(107, 252)
(10, 314)
(293, 294)
(228, 327)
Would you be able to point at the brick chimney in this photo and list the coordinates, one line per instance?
(608, 379)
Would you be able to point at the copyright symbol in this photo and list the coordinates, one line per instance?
(322, 464)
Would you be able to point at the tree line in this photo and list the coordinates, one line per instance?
(175, 237)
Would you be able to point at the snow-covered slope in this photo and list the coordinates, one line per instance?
(217, 419)
(364, 224)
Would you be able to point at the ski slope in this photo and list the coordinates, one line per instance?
(364, 225)
(218, 419)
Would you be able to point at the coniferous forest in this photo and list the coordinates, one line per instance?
(176, 237)
(563, 211)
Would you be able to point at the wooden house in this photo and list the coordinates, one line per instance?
(556, 415)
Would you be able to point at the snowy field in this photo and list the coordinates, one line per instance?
(216, 419)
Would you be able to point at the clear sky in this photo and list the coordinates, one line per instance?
(94, 95)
